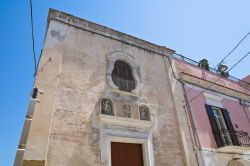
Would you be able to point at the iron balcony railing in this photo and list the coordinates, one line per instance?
(227, 137)
(212, 70)
(243, 138)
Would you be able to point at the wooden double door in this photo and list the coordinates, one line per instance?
(126, 154)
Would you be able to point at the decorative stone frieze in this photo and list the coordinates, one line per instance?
(144, 112)
(155, 142)
(95, 136)
(123, 121)
(107, 107)
(126, 110)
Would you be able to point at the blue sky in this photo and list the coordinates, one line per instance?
(197, 29)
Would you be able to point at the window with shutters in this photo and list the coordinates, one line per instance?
(122, 76)
(222, 127)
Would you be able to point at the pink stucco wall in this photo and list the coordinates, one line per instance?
(239, 114)
(247, 79)
(201, 119)
(216, 78)
(236, 112)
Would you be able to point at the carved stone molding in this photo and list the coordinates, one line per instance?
(123, 121)
(111, 58)
(156, 142)
(107, 107)
(144, 112)
(95, 136)
(126, 111)
(107, 32)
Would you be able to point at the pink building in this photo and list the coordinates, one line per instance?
(219, 111)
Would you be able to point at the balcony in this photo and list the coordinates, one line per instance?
(243, 138)
(226, 137)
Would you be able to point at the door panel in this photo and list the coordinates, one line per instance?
(118, 156)
(125, 154)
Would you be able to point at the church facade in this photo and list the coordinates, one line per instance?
(102, 97)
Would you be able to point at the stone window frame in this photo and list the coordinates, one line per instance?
(212, 99)
(112, 104)
(112, 58)
(150, 114)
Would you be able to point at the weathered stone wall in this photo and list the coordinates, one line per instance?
(47, 81)
(81, 85)
(76, 85)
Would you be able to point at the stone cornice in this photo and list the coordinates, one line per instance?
(230, 149)
(213, 86)
(107, 32)
(128, 122)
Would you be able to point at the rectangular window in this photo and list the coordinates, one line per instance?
(222, 127)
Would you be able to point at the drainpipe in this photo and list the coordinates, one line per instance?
(193, 130)
(193, 127)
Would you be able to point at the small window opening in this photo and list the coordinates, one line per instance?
(34, 93)
(122, 76)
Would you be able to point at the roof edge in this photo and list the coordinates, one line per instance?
(105, 31)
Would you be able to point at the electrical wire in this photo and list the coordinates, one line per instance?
(234, 48)
(33, 39)
(219, 78)
(227, 56)
(239, 61)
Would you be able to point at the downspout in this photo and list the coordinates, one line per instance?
(194, 135)
(193, 128)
